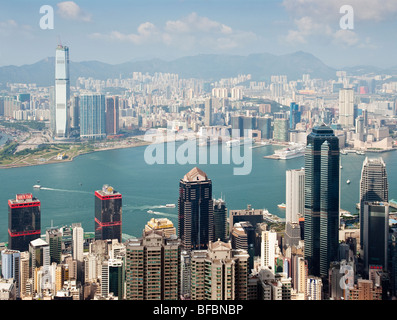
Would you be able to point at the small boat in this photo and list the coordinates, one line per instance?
(37, 186)
(282, 205)
(170, 205)
(348, 181)
(150, 211)
(341, 167)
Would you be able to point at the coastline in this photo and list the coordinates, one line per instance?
(54, 161)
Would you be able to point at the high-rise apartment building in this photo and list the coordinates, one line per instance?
(268, 249)
(24, 221)
(365, 290)
(321, 218)
(208, 112)
(62, 92)
(92, 116)
(108, 214)
(373, 186)
(195, 210)
(243, 238)
(153, 267)
(219, 273)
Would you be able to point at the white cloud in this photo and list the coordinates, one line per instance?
(11, 27)
(328, 10)
(70, 10)
(319, 20)
(145, 32)
(187, 33)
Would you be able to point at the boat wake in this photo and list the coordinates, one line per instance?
(64, 190)
(163, 214)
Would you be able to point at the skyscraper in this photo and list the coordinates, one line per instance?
(108, 214)
(92, 116)
(375, 235)
(62, 92)
(219, 273)
(152, 267)
(346, 107)
(24, 221)
(208, 112)
(112, 115)
(54, 239)
(373, 186)
(294, 195)
(195, 210)
(220, 220)
(281, 125)
(322, 174)
(295, 115)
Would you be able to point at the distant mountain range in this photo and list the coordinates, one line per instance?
(210, 67)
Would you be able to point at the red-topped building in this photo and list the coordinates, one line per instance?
(108, 213)
(24, 221)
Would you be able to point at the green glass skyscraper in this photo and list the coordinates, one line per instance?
(321, 226)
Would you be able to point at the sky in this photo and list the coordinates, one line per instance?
(123, 30)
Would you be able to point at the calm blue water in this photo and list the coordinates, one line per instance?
(65, 201)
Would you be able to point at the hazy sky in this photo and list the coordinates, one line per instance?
(119, 31)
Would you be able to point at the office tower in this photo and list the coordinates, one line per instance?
(163, 224)
(219, 273)
(360, 129)
(195, 210)
(237, 126)
(24, 220)
(375, 235)
(373, 186)
(39, 252)
(220, 220)
(321, 218)
(365, 290)
(1, 106)
(78, 247)
(75, 112)
(243, 238)
(62, 92)
(108, 214)
(208, 112)
(153, 267)
(346, 107)
(268, 250)
(295, 205)
(112, 115)
(11, 267)
(294, 116)
(54, 239)
(294, 195)
(92, 116)
(250, 214)
(264, 124)
(112, 278)
(314, 288)
(281, 125)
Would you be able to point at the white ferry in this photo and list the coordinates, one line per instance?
(290, 153)
(170, 205)
(237, 142)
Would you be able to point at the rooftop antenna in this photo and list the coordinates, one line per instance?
(59, 41)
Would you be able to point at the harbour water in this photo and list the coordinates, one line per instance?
(67, 194)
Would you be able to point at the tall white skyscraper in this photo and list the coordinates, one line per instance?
(62, 92)
(268, 249)
(78, 246)
(294, 195)
(346, 107)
